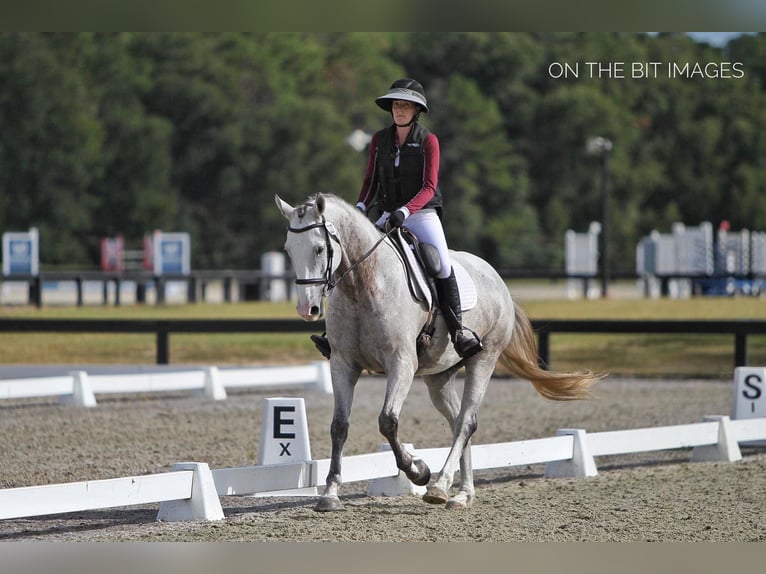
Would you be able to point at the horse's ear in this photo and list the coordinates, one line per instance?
(320, 204)
(285, 208)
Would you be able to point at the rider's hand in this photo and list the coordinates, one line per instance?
(396, 219)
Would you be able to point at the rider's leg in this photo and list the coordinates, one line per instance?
(466, 344)
(427, 227)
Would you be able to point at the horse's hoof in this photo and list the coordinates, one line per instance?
(460, 501)
(328, 504)
(435, 495)
(422, 474)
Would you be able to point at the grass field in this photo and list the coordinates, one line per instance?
(705, 356)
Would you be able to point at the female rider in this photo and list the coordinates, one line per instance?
(402, 175)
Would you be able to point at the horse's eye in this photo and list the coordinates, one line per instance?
(319, 249)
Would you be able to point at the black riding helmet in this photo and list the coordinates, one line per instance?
(405, 89)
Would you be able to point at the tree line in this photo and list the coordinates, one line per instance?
(123, 133)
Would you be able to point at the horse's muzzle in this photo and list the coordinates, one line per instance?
(312, 313)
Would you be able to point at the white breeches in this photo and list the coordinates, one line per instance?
(427, 227)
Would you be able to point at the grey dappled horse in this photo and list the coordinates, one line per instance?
(373, 322)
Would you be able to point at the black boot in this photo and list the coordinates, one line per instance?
(466, 345)
(321, 343)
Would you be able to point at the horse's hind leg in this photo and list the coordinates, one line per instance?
(445, 398)
(466, 492)
(477, 378)
(441, 389)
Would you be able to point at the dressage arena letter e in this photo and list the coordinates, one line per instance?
(284, 432)
(285, 437)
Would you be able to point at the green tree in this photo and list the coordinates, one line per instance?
(50, 147)
(482, 180)
(123, 133)
(136, 191)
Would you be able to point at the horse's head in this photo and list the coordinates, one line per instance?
(313, 246)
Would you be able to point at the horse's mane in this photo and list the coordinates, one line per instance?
(356, 216)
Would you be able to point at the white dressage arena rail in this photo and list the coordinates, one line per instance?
(80, 388)
(192, 490)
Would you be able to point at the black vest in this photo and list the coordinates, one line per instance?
(398, 185)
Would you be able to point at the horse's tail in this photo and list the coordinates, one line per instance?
(520, 358)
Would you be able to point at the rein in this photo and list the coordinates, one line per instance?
(362, 258)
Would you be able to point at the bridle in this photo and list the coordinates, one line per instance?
(330, 235)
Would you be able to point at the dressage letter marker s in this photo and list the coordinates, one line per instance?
(749, 393)
(749, 399)
(285, 437)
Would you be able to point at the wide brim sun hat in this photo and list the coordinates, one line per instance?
(405, 89)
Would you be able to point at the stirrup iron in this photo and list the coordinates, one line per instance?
(467, 346)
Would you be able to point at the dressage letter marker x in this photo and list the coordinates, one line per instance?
(285, 436)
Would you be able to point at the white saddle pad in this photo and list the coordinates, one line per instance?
(465, 283)
(468, 294)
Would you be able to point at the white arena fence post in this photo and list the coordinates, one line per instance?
(213, 388)
(727, 447)
(204, 503)
(398, 485)
(82, 391)
(324, 377)
(582, 462)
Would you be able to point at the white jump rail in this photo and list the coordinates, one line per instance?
(192, 490)
(80, 388)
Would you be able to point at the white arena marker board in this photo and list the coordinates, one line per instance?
(749, 400)
(749, 393)
(285, 437)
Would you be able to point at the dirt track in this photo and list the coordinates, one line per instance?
(657, 496)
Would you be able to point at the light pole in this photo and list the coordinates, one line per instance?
(600, 146)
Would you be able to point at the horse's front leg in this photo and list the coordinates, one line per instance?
(344, 381)
(400, 378)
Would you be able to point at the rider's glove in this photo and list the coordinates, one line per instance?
(396, 219)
